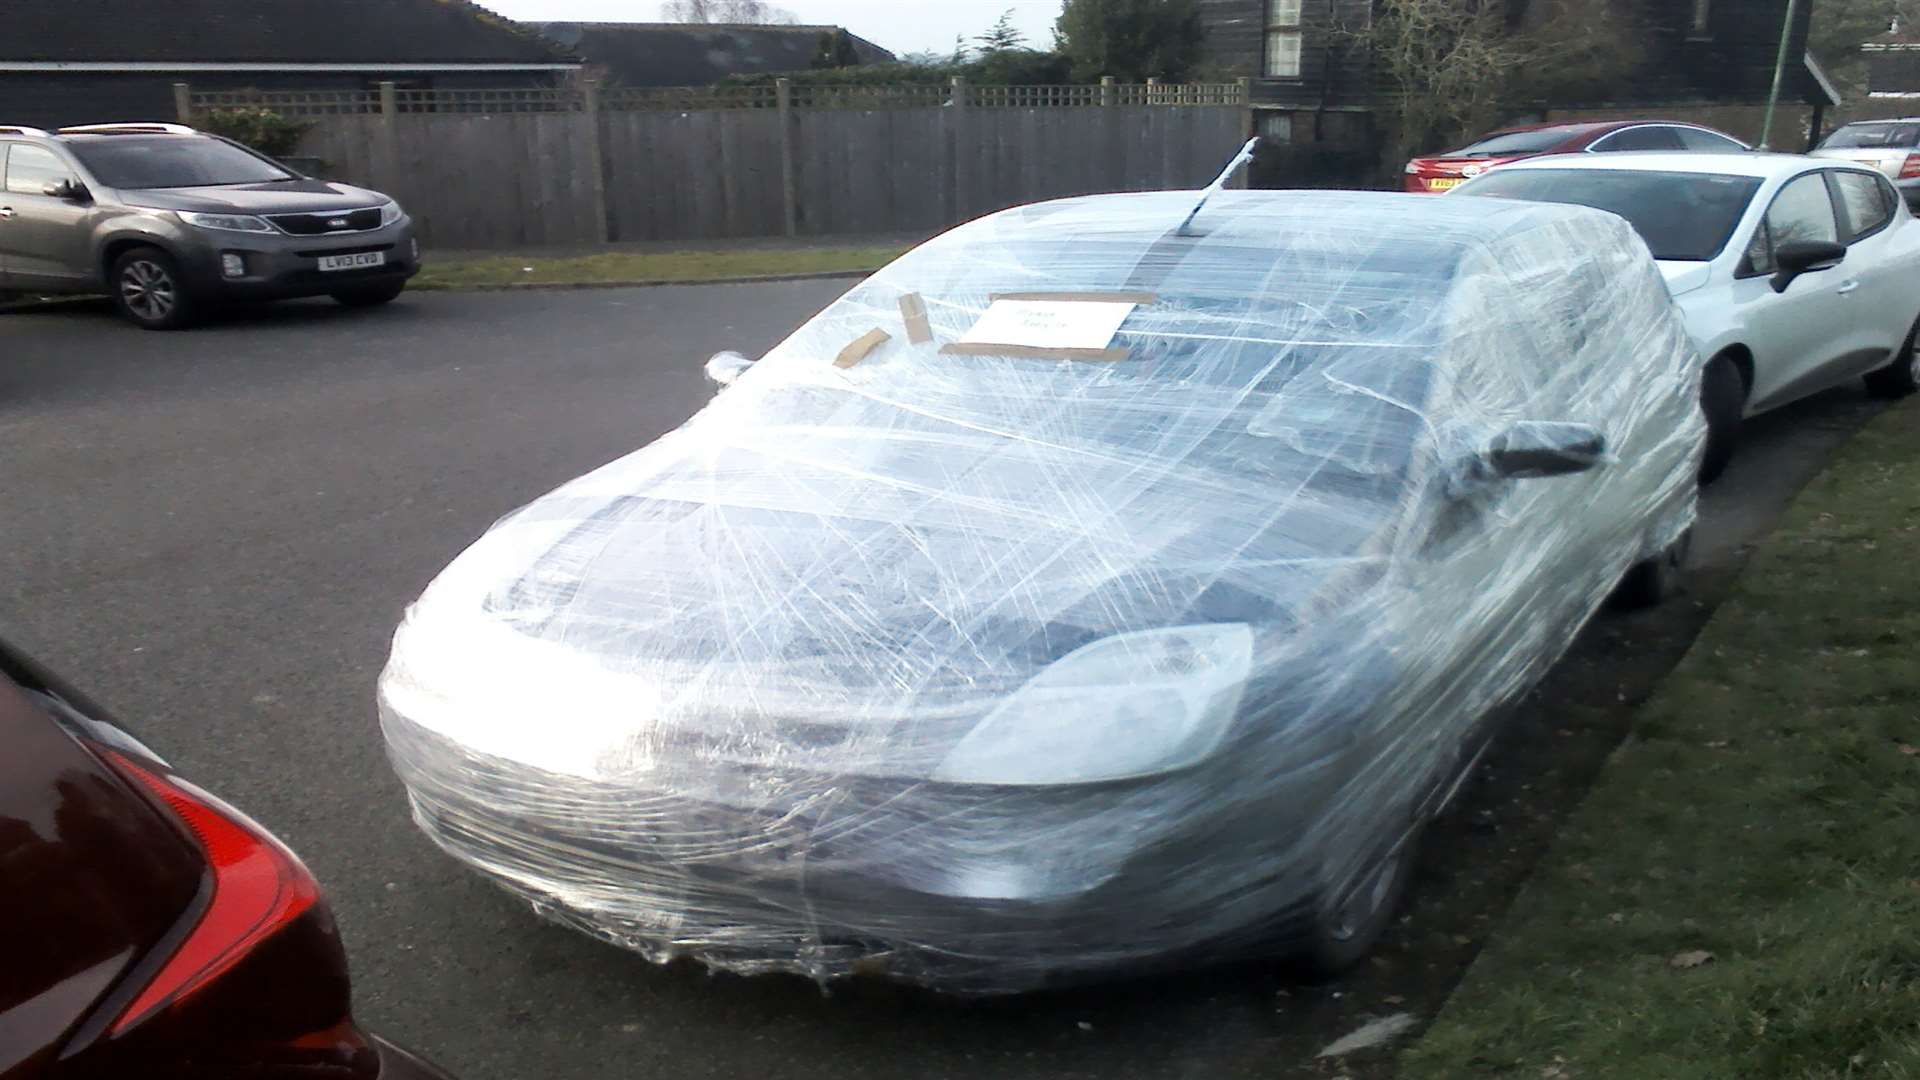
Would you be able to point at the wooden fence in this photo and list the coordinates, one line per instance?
(510, 168)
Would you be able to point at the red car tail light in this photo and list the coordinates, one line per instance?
(1910, 168)
(258, 887)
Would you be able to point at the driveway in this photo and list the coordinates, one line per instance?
(216, 531)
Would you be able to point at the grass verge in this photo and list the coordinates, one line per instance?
(466, 272)
(1740, 894)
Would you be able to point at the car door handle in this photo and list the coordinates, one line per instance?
(5, 212)
(1847, 287)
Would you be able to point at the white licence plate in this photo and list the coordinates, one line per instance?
(358, 261)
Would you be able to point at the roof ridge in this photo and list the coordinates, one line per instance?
(687, 26)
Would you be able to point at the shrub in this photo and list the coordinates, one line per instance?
(260, 128)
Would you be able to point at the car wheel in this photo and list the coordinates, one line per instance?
(1649, 583)
(370, 295)
(1723, 398)
(148, 292)
(1343, 932)
(1902, 377)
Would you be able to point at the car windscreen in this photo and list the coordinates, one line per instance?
(1683, 217)
(1231, 324)
(1514, 142)
(1873, 137)
(170, 161)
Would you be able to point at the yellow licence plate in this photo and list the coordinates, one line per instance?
(1444, 185)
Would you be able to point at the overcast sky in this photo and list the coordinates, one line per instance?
(901, 25)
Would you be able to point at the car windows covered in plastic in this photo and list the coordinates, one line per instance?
(984, 670)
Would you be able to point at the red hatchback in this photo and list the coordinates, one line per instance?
(1444, 172)
(150, 930)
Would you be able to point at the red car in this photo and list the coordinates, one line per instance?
(1444, 172)
(150, 929)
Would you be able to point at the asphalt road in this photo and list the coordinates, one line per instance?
(216, 532)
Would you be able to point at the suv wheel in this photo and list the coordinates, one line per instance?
(148, 292)
(370, 295)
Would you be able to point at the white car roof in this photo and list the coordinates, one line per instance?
(1765, 166)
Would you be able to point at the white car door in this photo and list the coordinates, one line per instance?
(1798, 336)
(1879, 256)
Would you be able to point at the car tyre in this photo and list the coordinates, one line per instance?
(1902, 377)
(1650, 583)
(1340, 935)
(148, 291)
(1723, 398)
(370, 295)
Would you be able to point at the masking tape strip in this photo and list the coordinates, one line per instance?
(859, 347)
(913, 309)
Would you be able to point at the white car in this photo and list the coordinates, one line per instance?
(1793, 273)
(1891, 146)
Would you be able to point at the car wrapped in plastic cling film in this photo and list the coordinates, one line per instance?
(1084, 591)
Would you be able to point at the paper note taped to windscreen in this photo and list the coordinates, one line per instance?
(1051, 325)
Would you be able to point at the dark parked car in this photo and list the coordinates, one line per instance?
(1444, 172)
(1082, 591)
(150, 929)
(168, 221)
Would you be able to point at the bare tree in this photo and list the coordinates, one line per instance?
(1454, 67)
(728, 12)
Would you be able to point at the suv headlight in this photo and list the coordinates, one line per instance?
(389, 213)
(1133, 704)
(228, 222)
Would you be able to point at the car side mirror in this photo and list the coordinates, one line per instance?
(71, 190)
(1538, 448)
(1805, 257)
(725, 367)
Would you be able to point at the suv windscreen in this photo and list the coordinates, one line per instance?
(1684, 217)
(169, 161)
(1514, 142)
(1873, 136)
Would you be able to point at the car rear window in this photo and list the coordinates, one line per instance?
(1515, 142)
(1684, 217)
(169, 161)
(1872, 136)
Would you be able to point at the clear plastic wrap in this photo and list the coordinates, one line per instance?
(986, 668)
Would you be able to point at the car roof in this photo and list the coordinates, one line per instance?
(1882, 120)
(1571, 127)
(1239, 218)
(1755, 164)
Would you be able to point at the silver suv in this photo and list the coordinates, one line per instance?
(168, 220)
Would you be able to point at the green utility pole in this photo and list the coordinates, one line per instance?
(1779, 75)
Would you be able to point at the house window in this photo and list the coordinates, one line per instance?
(1283, 39)
(1702, 15)
(1276, 126)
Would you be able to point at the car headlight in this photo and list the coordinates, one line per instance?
(228, 222)
(1133, 704)
(389, 213)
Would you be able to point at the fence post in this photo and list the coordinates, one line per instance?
(183, 102)
(1248, 129)
(596, 159)
(789, 171)
(389, 159)
(962, 159)
(1107, 91)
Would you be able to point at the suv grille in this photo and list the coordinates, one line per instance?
(323, 223)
